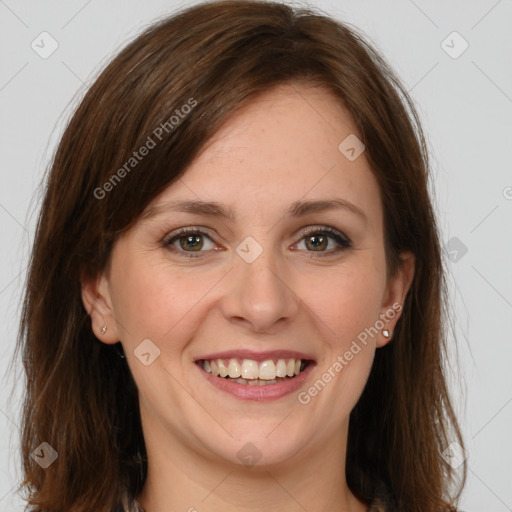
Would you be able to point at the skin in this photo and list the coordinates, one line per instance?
(281, 148)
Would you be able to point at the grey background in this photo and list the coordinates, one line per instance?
(466, 108)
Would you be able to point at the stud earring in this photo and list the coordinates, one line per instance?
(386, 334)
(104, 329)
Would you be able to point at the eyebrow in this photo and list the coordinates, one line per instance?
(214, 209)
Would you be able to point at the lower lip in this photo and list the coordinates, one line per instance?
(258, 392)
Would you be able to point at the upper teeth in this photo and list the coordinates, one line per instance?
(250, 369)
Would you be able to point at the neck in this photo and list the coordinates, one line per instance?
(179, 478)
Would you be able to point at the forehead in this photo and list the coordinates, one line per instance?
(305, 118)
(280, 147)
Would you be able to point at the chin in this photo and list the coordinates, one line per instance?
(261, 445)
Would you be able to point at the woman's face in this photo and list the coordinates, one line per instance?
(298, 271)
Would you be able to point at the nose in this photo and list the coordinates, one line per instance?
(259, 295)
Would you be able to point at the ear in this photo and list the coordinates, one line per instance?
(97, 302)
(394, 296)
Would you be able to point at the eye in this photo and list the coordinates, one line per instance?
(317, 240)
(188, 240)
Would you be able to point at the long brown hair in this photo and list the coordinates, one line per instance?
(215, 57)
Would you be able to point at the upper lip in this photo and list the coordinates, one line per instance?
(257, 356)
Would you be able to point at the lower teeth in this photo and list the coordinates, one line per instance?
(257, 382)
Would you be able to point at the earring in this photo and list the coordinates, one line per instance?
(104, 329)
(386, 334)
(118, 347)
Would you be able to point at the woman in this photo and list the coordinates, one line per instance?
(236, 290)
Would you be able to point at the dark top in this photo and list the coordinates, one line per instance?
(382, 501)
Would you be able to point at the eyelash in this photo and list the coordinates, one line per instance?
(343, 241)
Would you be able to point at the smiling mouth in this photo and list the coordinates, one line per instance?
(255, 373)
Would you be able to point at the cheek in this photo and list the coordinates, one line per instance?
(153, 300)
(348, 305)
(166, 304)
(347, 300)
